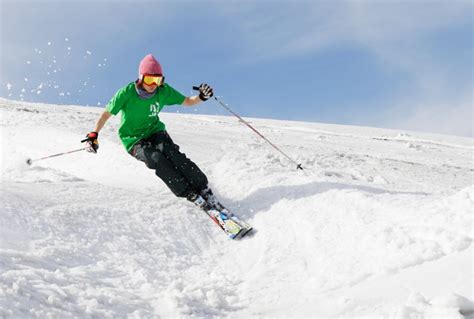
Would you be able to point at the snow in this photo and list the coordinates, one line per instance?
(379, 224)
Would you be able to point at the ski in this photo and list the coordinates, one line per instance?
(234, 227)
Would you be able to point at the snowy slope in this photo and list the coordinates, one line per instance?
(378, 225)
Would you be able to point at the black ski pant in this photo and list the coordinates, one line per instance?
(179, 173)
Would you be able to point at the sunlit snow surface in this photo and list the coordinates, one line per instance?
(378, 225)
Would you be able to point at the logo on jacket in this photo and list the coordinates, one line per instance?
(154, 109)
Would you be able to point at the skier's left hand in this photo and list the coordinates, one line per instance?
(205, 92)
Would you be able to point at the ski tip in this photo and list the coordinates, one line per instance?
(245, 232)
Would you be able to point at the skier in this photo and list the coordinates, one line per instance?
(145, 137)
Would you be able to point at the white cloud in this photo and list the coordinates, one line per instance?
(393, 32)
(454, 117)
(273, 30)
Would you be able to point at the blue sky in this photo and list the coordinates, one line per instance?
(396, 64)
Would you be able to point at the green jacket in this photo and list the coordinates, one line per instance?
(140, 116)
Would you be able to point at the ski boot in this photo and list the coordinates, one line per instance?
(213, 202)
(198, 200)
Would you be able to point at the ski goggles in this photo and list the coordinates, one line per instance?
(150, 79)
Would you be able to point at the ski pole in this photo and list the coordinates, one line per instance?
(30, 161)
(298, 166)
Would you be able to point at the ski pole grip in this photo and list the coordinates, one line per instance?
(196, 88)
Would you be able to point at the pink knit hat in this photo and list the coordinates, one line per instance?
(149, 65)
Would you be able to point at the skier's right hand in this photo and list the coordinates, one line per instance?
(92, 142)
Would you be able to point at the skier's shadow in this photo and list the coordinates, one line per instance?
(264, 198)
